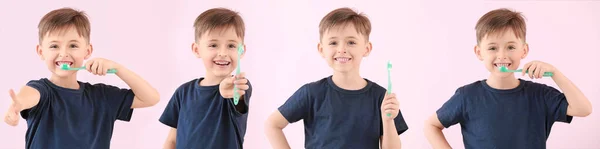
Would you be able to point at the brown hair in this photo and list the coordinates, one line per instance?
(62, 19)
(343, 16)
(501, 20)
(218, 18)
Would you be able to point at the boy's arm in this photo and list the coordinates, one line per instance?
(433, 131)
(274, 130)
(579, 105)
(390, 138)
(145, 94)
(27, 97)
(171, 139)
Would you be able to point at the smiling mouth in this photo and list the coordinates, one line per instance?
(502, 64)
(343, 59)
(222, 63)
(60, 63)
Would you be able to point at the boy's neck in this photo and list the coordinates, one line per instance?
(211, 80)
(502, 83)
(69, 82)
(348, 81)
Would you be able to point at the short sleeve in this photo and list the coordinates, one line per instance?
(44, 90)
(245, 102)
(297, 106)
(170, 115)
(401, 125)
(120, 101)
(452, 111)
(556, 104)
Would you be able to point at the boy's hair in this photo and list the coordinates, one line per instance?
(343, 16)
(61, 20)
(500, 20)
(218, 18)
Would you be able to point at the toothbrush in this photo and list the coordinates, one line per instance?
(389, 89)
(236, 95)
(504, 69)
(66, 67)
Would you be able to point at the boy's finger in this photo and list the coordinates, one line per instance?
(12, 95)
(241, 81)
(241, 75)
(242, 87)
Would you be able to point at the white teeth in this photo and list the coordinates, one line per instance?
(342, 59)
(61, 63)
(221, 62)
(502, 64)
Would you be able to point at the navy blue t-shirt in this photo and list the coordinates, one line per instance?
(338, 118)
(75, 118)
(204, 119)
(518, 118)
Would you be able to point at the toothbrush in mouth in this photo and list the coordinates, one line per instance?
(504, 69)
(67, 67)
(236, 95)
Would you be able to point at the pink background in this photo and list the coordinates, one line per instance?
(430, 44)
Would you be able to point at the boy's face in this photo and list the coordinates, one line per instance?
(501, 49)
(63, 46)
(343, 48)
(218, 50)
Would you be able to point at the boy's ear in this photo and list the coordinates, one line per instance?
(195, 50)
(89, 51)
(477, 51)
(369, 48)
(525, 51)
(320, 49)
(38, 50)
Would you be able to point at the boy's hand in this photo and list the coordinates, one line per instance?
(12, 116)
(389, 106)
(537, 69)
(226, 86)
(99, 66)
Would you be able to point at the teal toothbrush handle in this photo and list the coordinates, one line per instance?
(389, 90)
(546, 74)
(236, 95)
(111, 71)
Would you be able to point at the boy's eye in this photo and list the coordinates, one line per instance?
(492, 48)
(333, 43)
(53, 46)
(212, 45)
(351, 42)
(511, 47)
(74, 46)
(231, 46)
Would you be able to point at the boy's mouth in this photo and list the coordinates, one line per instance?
(502, 64)
(60, 63)
(222, 62)
(342, 59)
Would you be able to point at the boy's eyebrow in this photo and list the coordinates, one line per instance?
(346, 37)
(491, 43)
(69, 41)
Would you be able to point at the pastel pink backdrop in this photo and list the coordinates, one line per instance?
(429, 42)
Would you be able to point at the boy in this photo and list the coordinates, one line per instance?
(503, 111)
(201, 112)
(343, 110)
(62, 112)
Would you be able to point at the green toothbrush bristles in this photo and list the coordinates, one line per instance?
(65, 67)
(503, 69)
